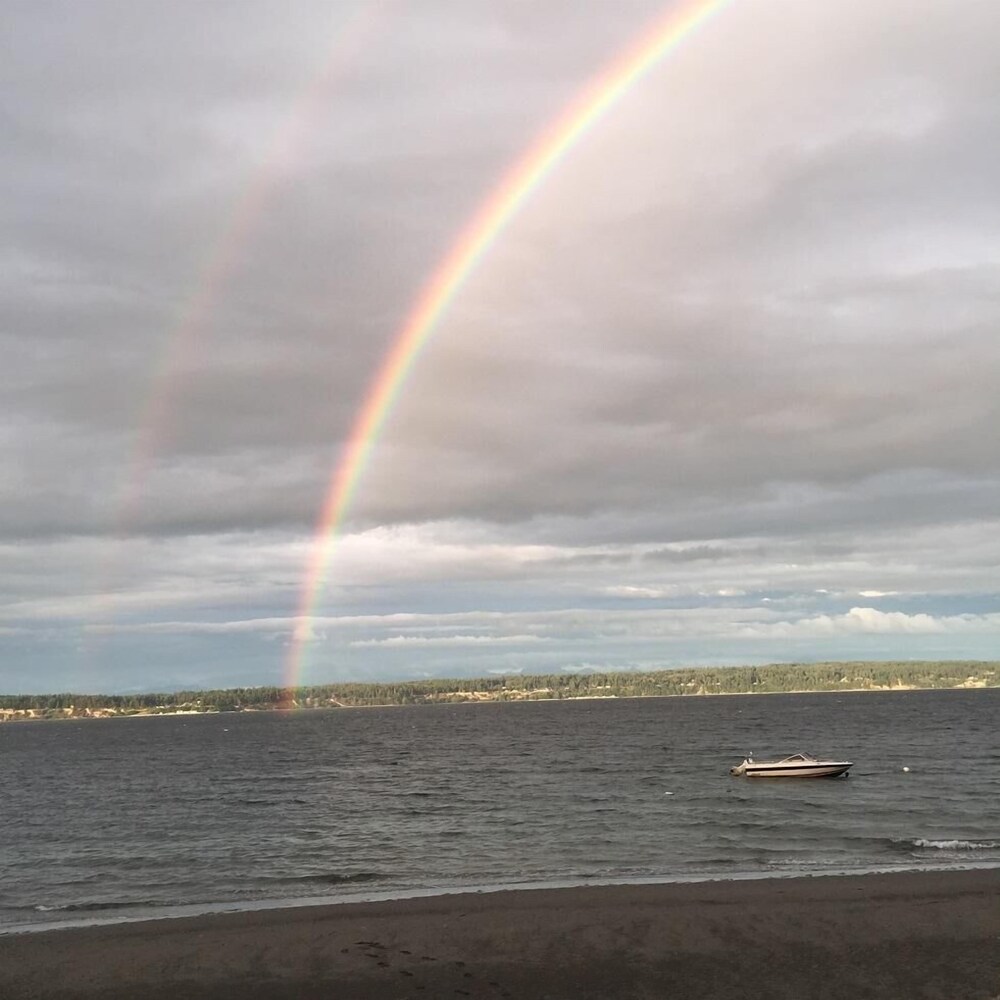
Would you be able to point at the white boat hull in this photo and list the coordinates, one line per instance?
(798, 766)
(826, 771)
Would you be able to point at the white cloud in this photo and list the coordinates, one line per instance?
(860, 621)
(640, 593)
(451, 640)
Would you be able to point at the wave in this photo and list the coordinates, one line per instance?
(339, 878)
(91, 907)
(958, 845)
(271, 802)
(921, 843)
(96, 906)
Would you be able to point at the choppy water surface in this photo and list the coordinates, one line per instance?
(117, 816)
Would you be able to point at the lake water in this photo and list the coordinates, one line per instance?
(121, 817)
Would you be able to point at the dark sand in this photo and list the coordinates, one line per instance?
(933, 934)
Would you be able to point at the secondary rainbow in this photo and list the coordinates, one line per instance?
(486, 225)
(351, 38)
(349, 41)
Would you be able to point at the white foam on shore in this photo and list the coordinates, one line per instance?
(178, 911)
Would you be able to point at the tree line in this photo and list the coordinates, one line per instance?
(771, 679)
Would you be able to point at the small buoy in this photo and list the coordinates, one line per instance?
(906, 769)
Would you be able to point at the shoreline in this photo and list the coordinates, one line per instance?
(6, 719)
(128, 913)
(927, 934)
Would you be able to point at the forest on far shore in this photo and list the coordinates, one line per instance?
(772, 679)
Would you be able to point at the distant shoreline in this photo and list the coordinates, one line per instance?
(517, 688)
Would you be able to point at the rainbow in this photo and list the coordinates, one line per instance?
(481, 232)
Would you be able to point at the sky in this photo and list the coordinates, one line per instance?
(722, 390)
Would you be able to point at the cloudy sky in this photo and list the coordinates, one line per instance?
(725, 389)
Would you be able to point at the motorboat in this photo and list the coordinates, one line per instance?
(799, 765)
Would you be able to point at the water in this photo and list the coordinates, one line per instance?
(122, 817)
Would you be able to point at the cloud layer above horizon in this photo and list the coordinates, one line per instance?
(723, 391)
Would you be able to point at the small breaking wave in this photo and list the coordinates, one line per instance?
(339, 878)
(927, 844)
(88, 907)
(957, 845)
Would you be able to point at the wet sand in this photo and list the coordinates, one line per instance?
(892, 937)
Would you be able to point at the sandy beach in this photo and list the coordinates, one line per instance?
(912, 935)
